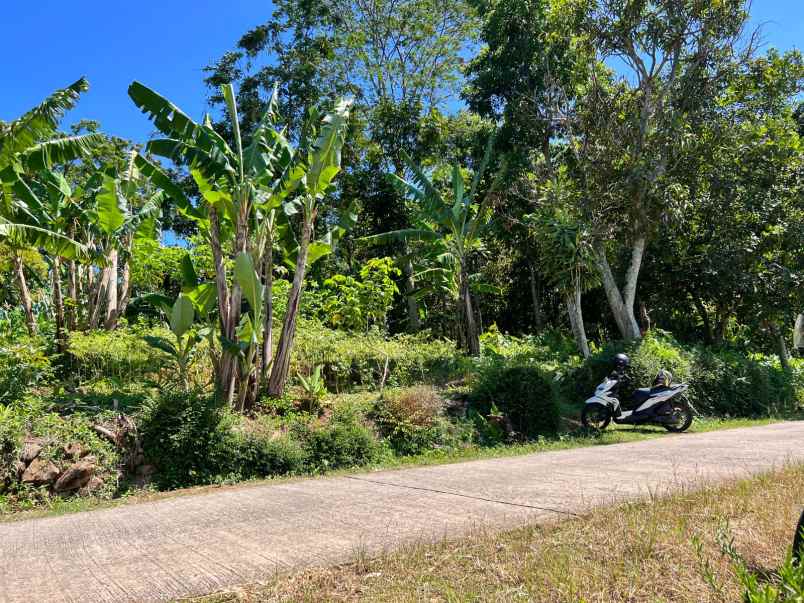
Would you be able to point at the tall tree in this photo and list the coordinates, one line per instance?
(400, 59)
(672, 59)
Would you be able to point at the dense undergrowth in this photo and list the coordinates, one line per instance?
(380, 399)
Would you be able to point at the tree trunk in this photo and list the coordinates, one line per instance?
(575, 312)
(110, 317)
(467, 314)
(622, 304)
(97, 296)
(25, 295)
(72, 292)
(58, 306)
(227, 366)
(279, 372)
(784, 354)
(124, 292)
(268, 314)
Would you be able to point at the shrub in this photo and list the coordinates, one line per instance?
(413, 421)
(359, 360)
(522, 392)
(122, 354)
(727, 382)
(23, 366)
(260, 456)
(188, 437)
(342, 441)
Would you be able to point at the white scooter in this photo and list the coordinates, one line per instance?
(663, 404)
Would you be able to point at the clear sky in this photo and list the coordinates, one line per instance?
(47, 44)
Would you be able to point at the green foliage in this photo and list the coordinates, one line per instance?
(188, 437)
(122, 355)
(23, 367)
(522, 392)
(360, 360)
(344, 441)
(351, 304)
(314, 387)
(413, 422)
(155, 268)
(729, 383)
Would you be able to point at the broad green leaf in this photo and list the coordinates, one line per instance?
(246, 276)
(181, 316)
(111, 207)
(160, 343)
(204, 298)
(189, 277)
(156, 300)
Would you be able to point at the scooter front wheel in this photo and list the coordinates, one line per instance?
(680, 417)
(595, 416)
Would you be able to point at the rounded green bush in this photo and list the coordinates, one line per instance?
(524, 393)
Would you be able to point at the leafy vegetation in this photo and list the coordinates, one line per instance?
(368, 267)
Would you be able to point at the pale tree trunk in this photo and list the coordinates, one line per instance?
(268, 316)
(467, 316)
(784, 354)
(98, 297)
(125, 290)
(622, 303)
(281, 367)
(25, 295)
(72, 292)
(58, 306)
(575, 312)
(110, 317)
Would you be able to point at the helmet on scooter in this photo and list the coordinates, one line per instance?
(663, 379)
(621, 361)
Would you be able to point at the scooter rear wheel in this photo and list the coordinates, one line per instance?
(681, 416)
(595, 416)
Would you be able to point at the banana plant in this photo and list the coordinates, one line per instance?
(126, 208)
(29, 146)
(249, 187)
(181, 318)
(451, 228)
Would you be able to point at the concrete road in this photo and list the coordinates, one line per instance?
(198, 544)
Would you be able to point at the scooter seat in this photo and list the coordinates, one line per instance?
(642, 394)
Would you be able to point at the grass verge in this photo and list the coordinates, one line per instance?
(679, 548)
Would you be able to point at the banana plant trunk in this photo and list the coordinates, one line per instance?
(72, 293)
(111, 315)
(267, 359)
(281, 367)
(25, 295)
(227, 365)
(58, 306)
(466, 313)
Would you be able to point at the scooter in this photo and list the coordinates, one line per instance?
(664, 405)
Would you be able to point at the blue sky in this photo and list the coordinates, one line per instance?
(47, 44)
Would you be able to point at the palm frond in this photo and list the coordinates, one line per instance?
(59, 151)
(40, 122)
